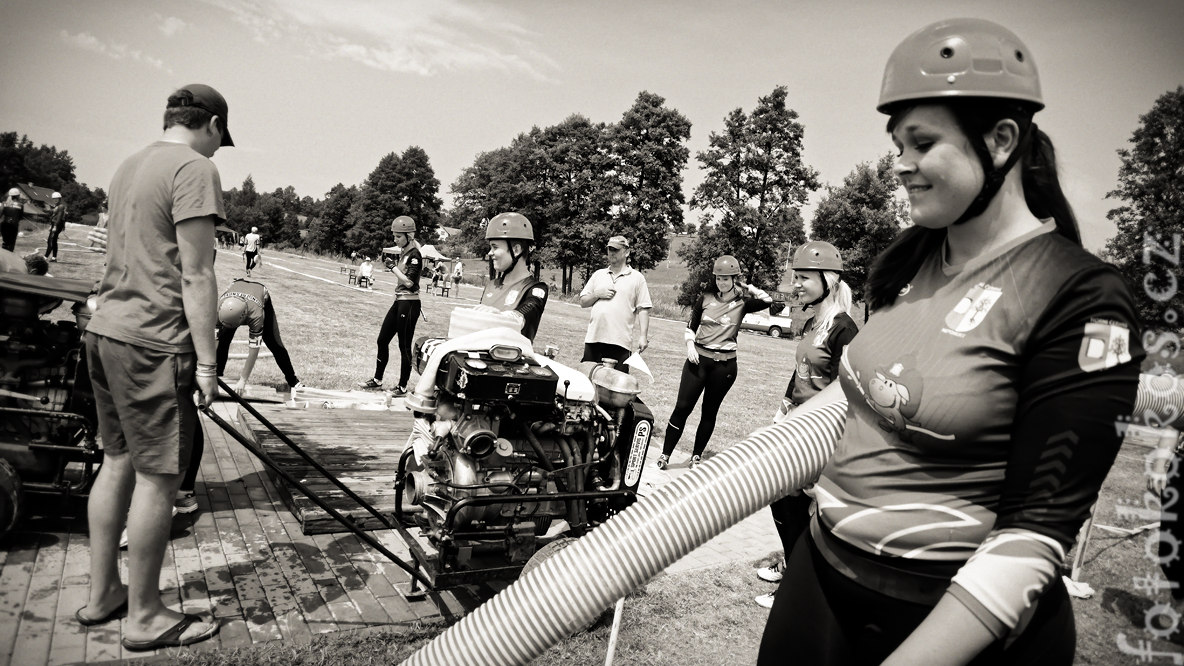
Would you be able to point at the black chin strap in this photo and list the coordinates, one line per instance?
(993, 177)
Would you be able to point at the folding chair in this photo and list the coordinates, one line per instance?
(353, 276)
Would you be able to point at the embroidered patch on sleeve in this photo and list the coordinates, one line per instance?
(1104, 345)
(538, 292)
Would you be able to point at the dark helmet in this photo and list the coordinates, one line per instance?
(509, 226)
(726, 265)
(817, 256)
(403, 224)
(960, 58)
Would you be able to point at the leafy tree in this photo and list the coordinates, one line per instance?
(755, 186)
(649, 146)
(861, 218)
(1151, 220)
(81, 200)
(328, 230)
(399, 185)
(23, 162)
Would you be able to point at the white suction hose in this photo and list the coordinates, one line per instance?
(1160, 401)
(570, 589)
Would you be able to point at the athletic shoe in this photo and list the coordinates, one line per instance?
(371, 384)
(771, 574)
(663, 461)
(765, 600)
(398, 392)
(186, 504)
(695, 460)
(298, 385)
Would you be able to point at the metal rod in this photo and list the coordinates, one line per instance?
(266, 460)
(612, 636)
(307, 458)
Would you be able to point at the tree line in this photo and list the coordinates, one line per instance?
(581, 182)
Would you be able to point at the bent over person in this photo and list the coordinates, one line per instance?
(248, 302)
(149, 346)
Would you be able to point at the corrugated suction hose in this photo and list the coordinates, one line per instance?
(1160, 401)
(571, 588)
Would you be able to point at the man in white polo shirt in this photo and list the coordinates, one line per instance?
(618, 296)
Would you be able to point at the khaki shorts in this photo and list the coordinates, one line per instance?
(144, 400)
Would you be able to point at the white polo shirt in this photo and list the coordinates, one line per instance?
(612, 318)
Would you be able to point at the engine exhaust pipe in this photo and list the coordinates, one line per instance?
(571, 588)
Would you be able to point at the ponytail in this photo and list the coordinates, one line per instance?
(837, 301)
(900, 261)
(1042, 187)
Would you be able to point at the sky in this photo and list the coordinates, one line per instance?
(320, 91)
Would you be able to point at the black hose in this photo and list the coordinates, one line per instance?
(304, 456)
(266, 460)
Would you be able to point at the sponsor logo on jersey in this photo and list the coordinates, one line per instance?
(972, 309)
(1104, 345)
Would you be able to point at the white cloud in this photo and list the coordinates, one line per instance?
(114, 50)
(171, 25)
(408, 36)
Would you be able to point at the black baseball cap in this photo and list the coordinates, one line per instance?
(207, 99)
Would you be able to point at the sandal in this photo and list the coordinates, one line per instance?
(118, 613)
(172, 637)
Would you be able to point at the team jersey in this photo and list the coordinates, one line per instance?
(411, 265)
(980, 426)
(255, 295)
(816, 363)
(527, 297)
(716, 322)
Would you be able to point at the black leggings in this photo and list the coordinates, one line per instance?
(821, 616)
(199, 445)
(400, 320)
(271, 339)
(712, 380)
(8, 234)
(51, 244)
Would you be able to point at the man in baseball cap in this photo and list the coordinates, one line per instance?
(207, 99)
(149, 349)
(618, 296)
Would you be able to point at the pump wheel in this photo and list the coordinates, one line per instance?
(548, 551)
(10, 497)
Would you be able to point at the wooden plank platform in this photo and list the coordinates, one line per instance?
(360, 447)
(241, 558)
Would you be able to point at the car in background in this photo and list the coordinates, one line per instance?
(776, 325)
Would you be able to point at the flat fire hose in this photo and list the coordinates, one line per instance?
(263, 457)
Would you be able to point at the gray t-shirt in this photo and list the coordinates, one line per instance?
(139, 299)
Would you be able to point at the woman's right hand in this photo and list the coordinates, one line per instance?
(692, 353)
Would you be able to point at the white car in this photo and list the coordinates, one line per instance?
(775, 325)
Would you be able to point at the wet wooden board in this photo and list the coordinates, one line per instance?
(360, 447)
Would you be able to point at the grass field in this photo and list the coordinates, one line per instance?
(704, 617)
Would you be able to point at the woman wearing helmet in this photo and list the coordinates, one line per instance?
(710, 368)
(817, 268)
(514, 289)
(10, 219)
(404, 312)
(982, 393)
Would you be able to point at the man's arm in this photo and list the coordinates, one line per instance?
(643, 325)
(199, 294)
